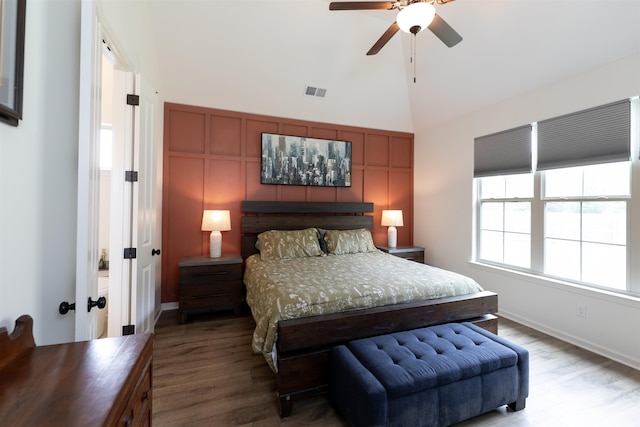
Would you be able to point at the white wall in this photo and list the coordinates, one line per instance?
(444, 214)
(128, 24)
(38, 177)
(240, 56)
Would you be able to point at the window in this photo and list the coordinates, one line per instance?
(505, 219)
(585, 223)
(583, 212)
(570, 217)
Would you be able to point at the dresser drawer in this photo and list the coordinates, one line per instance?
(138, 412)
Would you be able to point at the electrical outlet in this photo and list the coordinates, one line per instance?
(581, 311)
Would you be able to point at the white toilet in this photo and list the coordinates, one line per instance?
(103, 291)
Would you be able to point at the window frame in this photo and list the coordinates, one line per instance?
(479, 230)
(544, 200)
(537, 231)
(538, 207)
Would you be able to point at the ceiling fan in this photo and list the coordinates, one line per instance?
(413, 17)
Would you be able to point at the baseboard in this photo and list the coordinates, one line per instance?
(605, 352)
(166, 306)
(157, 316)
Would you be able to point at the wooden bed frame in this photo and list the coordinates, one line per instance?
(304, 344)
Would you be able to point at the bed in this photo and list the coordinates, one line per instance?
(304, 304)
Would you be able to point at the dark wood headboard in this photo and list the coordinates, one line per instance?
(264, 216)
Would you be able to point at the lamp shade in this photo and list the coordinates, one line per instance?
(392, 218)
(216, 221)
(416, 17)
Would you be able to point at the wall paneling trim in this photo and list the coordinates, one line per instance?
(212, 161)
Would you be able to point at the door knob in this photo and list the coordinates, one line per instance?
(65, 307)
(100, 303)
(155, 252)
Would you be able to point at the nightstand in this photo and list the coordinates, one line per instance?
(412, 253)
(210, 284)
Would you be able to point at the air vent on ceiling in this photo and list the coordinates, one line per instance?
(315, 91)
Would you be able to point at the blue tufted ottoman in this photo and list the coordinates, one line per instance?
(434, 376)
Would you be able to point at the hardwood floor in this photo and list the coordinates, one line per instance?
(205, 374)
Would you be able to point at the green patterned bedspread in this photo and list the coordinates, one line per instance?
(302, 287)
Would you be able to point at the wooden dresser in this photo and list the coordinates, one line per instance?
(105, 382)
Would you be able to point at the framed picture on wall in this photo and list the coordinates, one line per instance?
(297, 160)
(12, 21)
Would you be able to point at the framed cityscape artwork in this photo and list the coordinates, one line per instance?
(297, 160)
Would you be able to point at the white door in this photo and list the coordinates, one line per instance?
(146, 193)
(134, 216)
(87, 252)
(132, 298)
(120, 269)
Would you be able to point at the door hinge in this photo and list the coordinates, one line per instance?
(133, 99)
(129, 253)
(130, 176)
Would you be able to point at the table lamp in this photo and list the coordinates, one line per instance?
(392, 219)
(215, 222)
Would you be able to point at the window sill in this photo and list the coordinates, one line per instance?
(616, 297)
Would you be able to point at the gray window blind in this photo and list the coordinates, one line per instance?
(597, 135)
(503, 153)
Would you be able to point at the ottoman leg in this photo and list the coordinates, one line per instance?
(517, 405)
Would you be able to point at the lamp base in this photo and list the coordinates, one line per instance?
(392, 237)
(215, 244)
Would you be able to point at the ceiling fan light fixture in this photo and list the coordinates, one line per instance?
(415, 17)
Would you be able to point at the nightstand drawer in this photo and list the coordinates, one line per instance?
(411, 253)
(211, 302)
(220, 288)
(412, 256)
(207, 274)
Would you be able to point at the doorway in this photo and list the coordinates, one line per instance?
(104, 199)
(110, 223)
(127, 205)
(108, 231)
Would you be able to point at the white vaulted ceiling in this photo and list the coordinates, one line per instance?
(257, 56)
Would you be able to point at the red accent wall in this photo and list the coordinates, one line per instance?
(212, 161)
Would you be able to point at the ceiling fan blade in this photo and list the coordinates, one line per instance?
(444, 32)
(361, 5)
(391, 31)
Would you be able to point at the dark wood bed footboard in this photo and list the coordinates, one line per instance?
(304, 344)
(328, 329)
